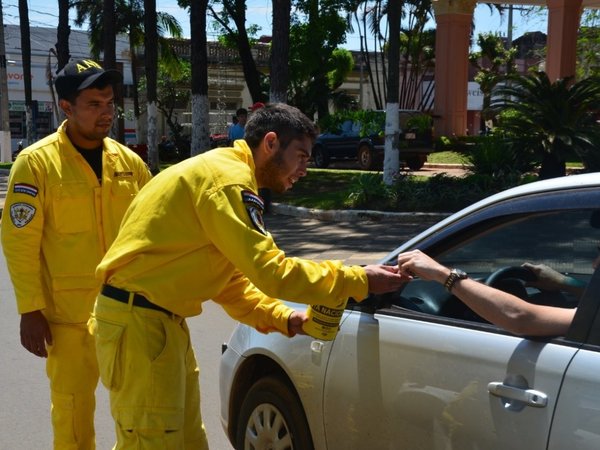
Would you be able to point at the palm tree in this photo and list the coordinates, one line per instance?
(151, 48)
(62, 34)
(551, 121)
(129, 16)
(280, 50)
(200, 102)
(26, 55)
(391, 162)
(109, 34)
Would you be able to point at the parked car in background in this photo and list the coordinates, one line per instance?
(416, 368)
(363, 140)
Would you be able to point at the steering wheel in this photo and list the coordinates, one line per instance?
(511, 279)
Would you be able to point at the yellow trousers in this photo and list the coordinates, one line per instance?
(147, 362)
(73, 373)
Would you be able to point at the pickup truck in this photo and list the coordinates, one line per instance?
(347, 142)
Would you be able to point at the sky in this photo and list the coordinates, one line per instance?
(45, 13)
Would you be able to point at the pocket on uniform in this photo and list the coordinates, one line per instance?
(72, 207)
(109, 350)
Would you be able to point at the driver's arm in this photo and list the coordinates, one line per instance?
(549, 279)
(500, 308)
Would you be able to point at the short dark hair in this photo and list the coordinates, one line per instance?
(241, 112)
(287, 121)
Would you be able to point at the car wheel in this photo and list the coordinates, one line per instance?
(415, 162)
(365, 157)
(320, 157)
(272, 417)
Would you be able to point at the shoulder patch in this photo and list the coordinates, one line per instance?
(24, 188)
(255, 207)
(21, 214)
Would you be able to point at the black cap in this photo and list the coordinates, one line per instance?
(81, 74)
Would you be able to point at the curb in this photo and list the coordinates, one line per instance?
(343, 215)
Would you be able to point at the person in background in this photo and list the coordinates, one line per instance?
(236, 131)
(66, 197)
(195, 233)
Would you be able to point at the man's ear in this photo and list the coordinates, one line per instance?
(270, 141)
(65, 106)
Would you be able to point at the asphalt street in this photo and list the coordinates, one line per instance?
(360, 238)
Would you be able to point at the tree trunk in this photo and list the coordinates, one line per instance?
(391, 162)
(151, 48)
(199, 64)
(62, 35)
(30, 134)
(134, 80)
(280, 50)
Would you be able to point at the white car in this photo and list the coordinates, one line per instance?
(417, 369)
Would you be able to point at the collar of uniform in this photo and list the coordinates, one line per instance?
(242, 149)
(66, 146)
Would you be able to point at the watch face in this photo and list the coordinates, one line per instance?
(461, 273)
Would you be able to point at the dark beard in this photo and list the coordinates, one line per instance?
(271, 171)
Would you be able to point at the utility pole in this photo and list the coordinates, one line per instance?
(5, 143)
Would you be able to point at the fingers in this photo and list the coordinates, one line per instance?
(35, 345)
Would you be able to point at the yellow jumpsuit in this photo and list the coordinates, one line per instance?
(193, 234)
(58, 221)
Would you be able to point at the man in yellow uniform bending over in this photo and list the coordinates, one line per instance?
(196, 233)
(67, 195)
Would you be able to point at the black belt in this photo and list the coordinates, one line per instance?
(122, 296)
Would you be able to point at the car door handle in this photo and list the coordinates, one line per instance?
(530, 397)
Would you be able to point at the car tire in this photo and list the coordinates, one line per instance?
(365, 156)
(271, 402)
(320, 157)
(415, 162)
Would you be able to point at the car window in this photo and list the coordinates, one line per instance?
(563, 240)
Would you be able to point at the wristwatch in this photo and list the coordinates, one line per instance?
(455, 275)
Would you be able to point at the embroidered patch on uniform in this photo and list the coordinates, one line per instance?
(24, 188)
(21, 214)
(123, 174)
(255, 208)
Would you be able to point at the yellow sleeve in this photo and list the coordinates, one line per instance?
(235, 229)
(243, 302)
(22, 225)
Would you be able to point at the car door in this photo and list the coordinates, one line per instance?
(420, 371)
(576, 421)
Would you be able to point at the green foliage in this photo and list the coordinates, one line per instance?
(342, 63)
(420, 123)
(371, 122)
(550, 121)
(494, 156)
(369, 191)
(443, 193)
(342, 189)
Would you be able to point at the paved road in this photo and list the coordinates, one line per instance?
(24, 414)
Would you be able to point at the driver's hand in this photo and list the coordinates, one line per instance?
(548, 279)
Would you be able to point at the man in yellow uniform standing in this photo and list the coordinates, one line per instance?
(196, 233)
(67, 195)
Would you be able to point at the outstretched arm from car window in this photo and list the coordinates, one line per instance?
(498, 307)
